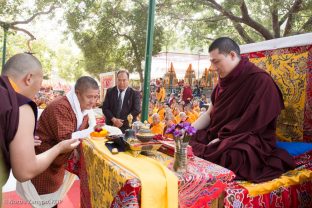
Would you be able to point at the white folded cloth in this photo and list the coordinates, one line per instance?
(28, 192)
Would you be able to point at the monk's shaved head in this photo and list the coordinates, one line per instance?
(87, 91)
(21, 64)
(25, 71)
(86, 82)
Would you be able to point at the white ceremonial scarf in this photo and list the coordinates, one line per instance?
(74, 103)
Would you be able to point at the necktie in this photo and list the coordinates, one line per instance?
(119, 104)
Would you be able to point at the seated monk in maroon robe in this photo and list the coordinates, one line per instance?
(238, 129)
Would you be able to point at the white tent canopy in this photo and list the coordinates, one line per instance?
(286, 42)
(161, 63)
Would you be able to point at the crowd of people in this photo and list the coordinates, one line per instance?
(46, 95)
(237, 131)
(175, 109)
(170, 108)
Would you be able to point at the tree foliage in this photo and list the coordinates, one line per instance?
(70, 66)
(13, 11)
(15, 14)
(16, 44)
(246, 21)
(112, 34)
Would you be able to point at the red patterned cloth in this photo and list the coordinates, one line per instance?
(129, 195)
(294, 196)
(304, 160)
(198, 187)
(236, 196)
(299, 195)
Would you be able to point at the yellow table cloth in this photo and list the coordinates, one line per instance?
(159, 184)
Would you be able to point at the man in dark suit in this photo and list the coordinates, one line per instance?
(120, 101)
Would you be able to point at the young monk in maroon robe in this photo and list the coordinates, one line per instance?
(187, 94)
(238, 130)
(20, 80)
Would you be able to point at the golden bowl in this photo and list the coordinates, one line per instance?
(145, 137)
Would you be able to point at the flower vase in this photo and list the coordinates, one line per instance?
(180, 156)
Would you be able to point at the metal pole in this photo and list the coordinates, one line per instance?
(166, 59)
(170, 82)
(198, 66)
(5, 30)
(148, 59)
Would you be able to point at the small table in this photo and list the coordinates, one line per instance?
(106, 184)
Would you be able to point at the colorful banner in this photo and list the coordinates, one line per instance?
(107, 80)
(291, 69)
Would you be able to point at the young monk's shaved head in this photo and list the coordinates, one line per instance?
(21, 64)
(25, 71)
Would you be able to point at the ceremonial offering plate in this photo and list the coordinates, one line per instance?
(136, 146)
(145, 137)
(99, 132)
(145, 134)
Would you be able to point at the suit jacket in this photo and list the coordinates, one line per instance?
(131, 104)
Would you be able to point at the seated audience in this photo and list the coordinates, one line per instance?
(169, 121)
(157, 127)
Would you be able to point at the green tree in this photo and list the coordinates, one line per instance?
(15, 14)
(246, 21)
(112, 34)
(16, 44)
(12, 10)
(70, 67)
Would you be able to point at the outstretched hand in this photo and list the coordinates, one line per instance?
(68, 145)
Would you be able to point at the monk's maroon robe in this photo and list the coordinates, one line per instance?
(246, 104)
(187, 95)
(10, 101)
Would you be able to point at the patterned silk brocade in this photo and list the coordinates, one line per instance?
(108, 180)
(111, 185)
(291, 68)
(292, 189)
